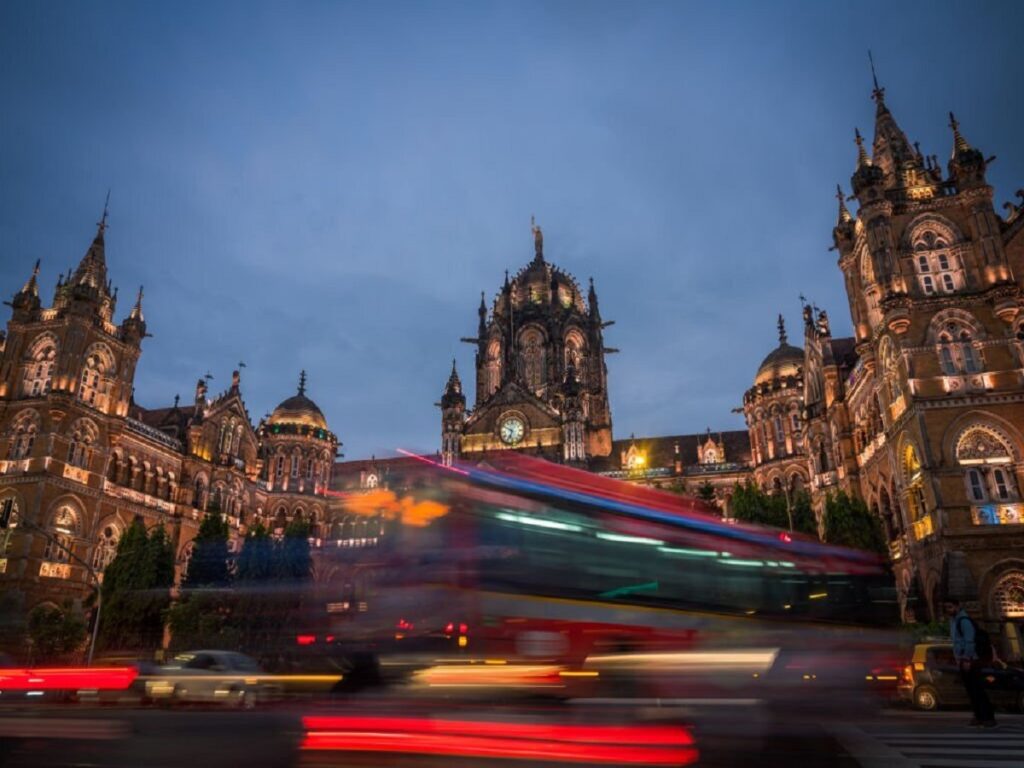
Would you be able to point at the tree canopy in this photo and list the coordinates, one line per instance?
(849, 523)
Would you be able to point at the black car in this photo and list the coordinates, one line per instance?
(932, 680)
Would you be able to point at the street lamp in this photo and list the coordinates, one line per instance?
(92, 572)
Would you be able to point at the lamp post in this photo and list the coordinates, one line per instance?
(92, 572)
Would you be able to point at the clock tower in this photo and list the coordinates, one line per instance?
(541, 379)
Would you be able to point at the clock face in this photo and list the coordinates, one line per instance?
(512, 430)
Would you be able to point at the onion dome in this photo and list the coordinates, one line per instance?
(783, 361)
(299, 409)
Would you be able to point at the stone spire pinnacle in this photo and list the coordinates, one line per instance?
(302, 382)
(862, 155)
(783, 339)
(959, 142)
(136, 313)
(92, 269)
(844, 213)
(31, 286)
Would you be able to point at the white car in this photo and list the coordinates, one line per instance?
(211, 677)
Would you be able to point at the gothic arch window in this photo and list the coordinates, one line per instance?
(9, 517)
(106, 546)
(938, 266)
(23, 435)
(492, 368)
(957, 353)
(1008, 596)
(371, 480)
(987, 459)
(296, 457)
(279, 465)
(39, 368)
(310, 469)
(236, 441)
(199, 497)
(82, 438)
(62, 531)
(913, 477)
(94, 383)
(533, 359)
(575, 350)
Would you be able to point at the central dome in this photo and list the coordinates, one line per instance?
(299, 409)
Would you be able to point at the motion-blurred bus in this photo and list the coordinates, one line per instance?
(585, 579)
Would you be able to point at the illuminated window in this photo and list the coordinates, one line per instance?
(59, 540)
(106, 547)
(23, 438)
(39, 371)
(1001, 484)
(371, 480)
(83, 435)
(976, 485)
(938, 267)
(1008, 596)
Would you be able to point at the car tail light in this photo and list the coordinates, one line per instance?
(908, 674)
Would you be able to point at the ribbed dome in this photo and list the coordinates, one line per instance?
(299, 409)
(784, 360)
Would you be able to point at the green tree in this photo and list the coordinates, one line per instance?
(55, 633)
(849, 523)
(209, 564)
(136, 589)
(203, 616)
(12, 622)
(752, 505)
(706, 492)
(802, 513)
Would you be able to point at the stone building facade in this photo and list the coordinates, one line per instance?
(79, 459)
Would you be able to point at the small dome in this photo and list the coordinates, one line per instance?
(299, 409)
(784, 360)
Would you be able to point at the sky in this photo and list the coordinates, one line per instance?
(330, 186)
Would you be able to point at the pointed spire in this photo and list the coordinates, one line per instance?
(844, 213)
(102, 223)
(136, 313)
(453, 390)
(92, 270)
(31, 286)
(959, 142)
(783, 340)
(302, 382)
(538, 241)
(595, 312)
(862, 155)
(878, 93)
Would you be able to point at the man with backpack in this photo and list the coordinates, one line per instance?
(972, 649)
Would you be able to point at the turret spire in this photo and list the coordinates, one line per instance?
(862, 155)
(959, 142)
(302, 382)
(782, 331)
(878, 94)
(136, 313)
(844, 213)
(32, 284)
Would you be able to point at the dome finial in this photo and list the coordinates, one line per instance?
(782, 331)
(302, 382)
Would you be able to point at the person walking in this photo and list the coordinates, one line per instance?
(972, 650)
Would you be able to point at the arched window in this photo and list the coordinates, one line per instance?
(1008, 596)
(309, 468)
(533, 360)
(83, 435)
(39, 369)
(575, 349)
(61, 533)
(280, 465)
(780, 435)
(975, 485)
(938, 268)
(492, 368)
(106, 547)
(913, 475)
(956, 350)
(92, 384)
(199, 497)
(23, 435)
(8, 517)
(987, 458)
(371, 480)
(295, 464)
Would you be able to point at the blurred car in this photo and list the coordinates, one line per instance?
(932, 680)
(211, 677)
(134, 694)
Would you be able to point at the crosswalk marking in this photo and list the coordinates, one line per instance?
(875, 748)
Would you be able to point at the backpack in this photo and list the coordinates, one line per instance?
(982, 641)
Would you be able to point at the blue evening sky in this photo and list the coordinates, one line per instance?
(329, 186)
